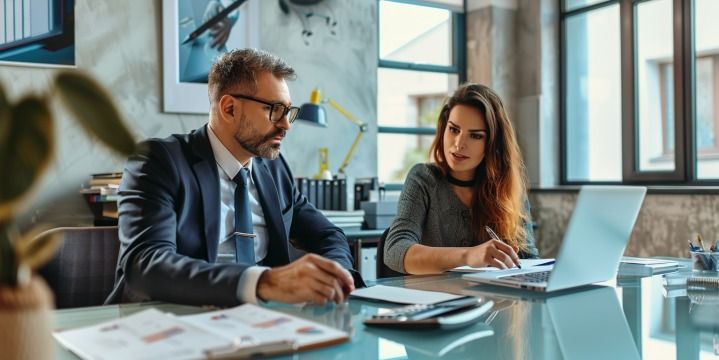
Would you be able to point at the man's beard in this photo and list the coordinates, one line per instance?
(261, 147)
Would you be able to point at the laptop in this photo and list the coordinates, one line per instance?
(592, 248)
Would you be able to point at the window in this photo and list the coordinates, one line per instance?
(420, 63)
(707, 89)
(639, 98)
(592, 101)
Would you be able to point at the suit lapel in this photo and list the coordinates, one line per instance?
(277, 252)
(205, 169)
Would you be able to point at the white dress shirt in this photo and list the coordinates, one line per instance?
(227, 168)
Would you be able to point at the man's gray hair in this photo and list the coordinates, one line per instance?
(237, 70)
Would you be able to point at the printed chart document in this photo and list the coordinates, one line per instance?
(240, 331)
(403, 295)
(525, 263)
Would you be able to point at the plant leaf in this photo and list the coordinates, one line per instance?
(8, 263)
(27, 139)
(37, 247)
(94, 110)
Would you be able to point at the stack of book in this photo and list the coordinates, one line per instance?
(103, 184)
(632, 266)
(101, 197)
(345, 220)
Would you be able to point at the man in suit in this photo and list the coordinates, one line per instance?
(206, 217)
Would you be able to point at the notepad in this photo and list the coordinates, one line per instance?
(152, 334)
(400, 295)
(525, 263)
(633, 266)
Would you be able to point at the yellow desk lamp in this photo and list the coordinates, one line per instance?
(313, 113)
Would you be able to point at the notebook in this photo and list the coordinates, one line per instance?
(633, 266)
(593, 245)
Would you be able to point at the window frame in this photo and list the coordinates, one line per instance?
(458, 66)
(684, 57)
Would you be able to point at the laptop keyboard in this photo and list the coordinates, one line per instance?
(536, 277)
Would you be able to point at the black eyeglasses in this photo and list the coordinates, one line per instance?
(277, 110)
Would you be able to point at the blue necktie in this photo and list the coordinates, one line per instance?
(244, 235)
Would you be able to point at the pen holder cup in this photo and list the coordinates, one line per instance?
(705, 260)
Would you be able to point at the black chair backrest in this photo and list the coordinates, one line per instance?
(82, 273)
(383, 271)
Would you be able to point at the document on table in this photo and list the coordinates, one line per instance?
(237, 332)
(526, 264)
(401, 295)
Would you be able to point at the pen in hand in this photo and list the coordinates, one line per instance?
(494, 236)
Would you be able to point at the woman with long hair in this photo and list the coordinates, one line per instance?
(477, 181)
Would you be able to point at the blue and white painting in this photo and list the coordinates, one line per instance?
(187, 60)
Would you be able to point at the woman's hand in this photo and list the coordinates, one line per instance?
(492, 253)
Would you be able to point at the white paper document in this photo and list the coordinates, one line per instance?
(403, 295)
(256, 325)
(525, 263)
(152, 334)
(149, 334)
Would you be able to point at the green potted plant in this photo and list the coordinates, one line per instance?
(27, 140)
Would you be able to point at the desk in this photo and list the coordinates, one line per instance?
(358, 239)
(524, 326)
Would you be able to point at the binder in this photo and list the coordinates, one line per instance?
(320, 204)
(303, 186)
(312, 192)
(342, 203)
(328, 194)
(336, 195)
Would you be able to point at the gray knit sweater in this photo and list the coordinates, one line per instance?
(431, 214)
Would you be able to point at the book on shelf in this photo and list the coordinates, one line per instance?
(341, 213)
(237, 332)
(99, 198)
(104, 181)
(634, 266)
(107, 175)
(346, 220)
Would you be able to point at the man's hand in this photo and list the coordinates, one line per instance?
(311, 278)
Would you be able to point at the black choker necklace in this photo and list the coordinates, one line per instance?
(462, 183)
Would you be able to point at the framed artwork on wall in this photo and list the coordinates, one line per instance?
(194, 34)
(37, 33)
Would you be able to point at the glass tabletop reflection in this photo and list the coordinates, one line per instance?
(628, 318)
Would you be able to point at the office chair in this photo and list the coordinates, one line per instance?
(383, 271)
(82, 273)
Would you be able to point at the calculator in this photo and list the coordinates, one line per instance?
(445, 315)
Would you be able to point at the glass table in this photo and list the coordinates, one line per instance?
(626, 318)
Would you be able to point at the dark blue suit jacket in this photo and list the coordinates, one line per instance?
(169, 207)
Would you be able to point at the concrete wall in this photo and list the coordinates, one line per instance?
(120, 43)
(512, 46)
